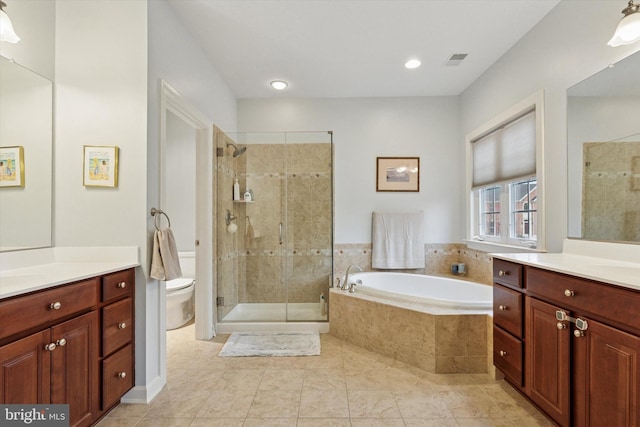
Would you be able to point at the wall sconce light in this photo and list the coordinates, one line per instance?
(628, 30)
(7, 33)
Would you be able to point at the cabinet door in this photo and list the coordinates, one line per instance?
(75, 367)
(607, 371)
(547, 363)
(25, 370)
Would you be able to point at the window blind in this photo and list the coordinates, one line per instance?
(507, 153)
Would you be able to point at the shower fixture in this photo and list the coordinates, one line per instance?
(238, 150)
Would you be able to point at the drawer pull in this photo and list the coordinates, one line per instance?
(503, 273)
(122, 325)
(578, 333)
(122, 285)
(561, 325)
(502, 307)
(61, 342)
(569, 293)
(503, 353)
(55, 305)
(122, 375)
(50, 346)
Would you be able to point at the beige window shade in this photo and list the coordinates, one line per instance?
(507, 153)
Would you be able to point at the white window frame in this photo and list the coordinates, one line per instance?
(535, 101)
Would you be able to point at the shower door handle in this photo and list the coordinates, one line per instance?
(280, 233)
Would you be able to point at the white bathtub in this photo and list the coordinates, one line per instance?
(433, 291)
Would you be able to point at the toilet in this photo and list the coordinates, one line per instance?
(181, 291)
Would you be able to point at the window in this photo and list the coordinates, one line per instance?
(503, 180)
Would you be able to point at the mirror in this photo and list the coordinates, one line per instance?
(603, 134)
(26, 121)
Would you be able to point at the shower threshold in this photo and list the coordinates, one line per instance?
(276, 312)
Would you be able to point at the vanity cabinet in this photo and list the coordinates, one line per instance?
(58, 346)
(580, 344)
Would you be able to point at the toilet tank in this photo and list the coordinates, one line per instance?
(188, 264)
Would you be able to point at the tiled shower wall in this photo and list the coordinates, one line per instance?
(438, 260)
(611, 191)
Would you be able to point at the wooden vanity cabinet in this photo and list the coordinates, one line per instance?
(55, 343)
(581, 349)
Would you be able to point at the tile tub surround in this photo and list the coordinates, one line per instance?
(442, 344)
(438, 260)
(346, 386)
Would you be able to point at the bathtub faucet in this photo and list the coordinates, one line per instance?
(345, 284)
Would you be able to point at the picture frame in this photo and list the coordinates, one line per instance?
(398, 174)
(100, 166)
(12, 166)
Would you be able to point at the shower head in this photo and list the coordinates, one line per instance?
(237, 150)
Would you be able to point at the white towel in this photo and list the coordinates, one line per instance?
(397, 240)
(165, 264)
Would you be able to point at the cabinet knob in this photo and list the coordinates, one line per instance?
(55, 305)
(561, 325)
(122, 285)
(503, 353)
(122, 325)
(61, 342)
(503, 273)
(122, 375)
(568, 293)
(578, 333)
(50, 346)
(502, 307)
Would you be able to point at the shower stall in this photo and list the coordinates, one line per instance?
(274, 248)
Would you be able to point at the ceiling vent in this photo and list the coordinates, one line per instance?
(455, 59)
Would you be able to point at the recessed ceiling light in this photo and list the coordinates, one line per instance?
(279, 84)
(412, 63)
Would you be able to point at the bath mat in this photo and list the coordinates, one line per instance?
(242, 344)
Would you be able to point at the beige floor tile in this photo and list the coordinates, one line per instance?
(270, 422)
(181, 406)
(372, 422)
(484, 422)
(217, 422)
(164, 422)
(280, 404)
(425, 405)
(324, 422)
(324, 404)
(282, 379)
(240, 379)
(433, 422)
(287, 362)
(118, 422)
(231, 403)
(372, 404)
(127, 410)
(324, 379)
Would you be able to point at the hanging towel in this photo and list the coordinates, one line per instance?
(165, 264)
(397, 240)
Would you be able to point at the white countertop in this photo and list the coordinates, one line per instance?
(32, 271)
(612, 267)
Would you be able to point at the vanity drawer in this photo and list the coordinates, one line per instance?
(507, 355)
(507, 273)
(44, 307)
(117, 376)
(118, 285)
(586, 297)
(507, 309)
(117, 325)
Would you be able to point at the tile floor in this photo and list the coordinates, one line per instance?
(344, 386)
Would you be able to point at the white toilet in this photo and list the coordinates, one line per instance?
(180, 292)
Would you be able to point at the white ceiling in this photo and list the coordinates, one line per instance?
(355, 48)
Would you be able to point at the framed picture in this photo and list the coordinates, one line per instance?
(398, 174)
(100, 166)
(12, 166)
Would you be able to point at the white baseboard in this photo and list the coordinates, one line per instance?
(144, 394)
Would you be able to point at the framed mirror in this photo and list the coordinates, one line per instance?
(603, 134)
(26, 129)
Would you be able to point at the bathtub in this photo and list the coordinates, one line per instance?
(438, 324)
(430, 291)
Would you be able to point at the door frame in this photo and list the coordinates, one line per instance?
(171, 100)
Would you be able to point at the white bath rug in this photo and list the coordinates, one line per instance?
(272, 344)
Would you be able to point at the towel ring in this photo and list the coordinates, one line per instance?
(155, 213)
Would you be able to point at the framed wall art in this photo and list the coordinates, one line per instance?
(398, 174)
(100, 166)
(12, 166)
